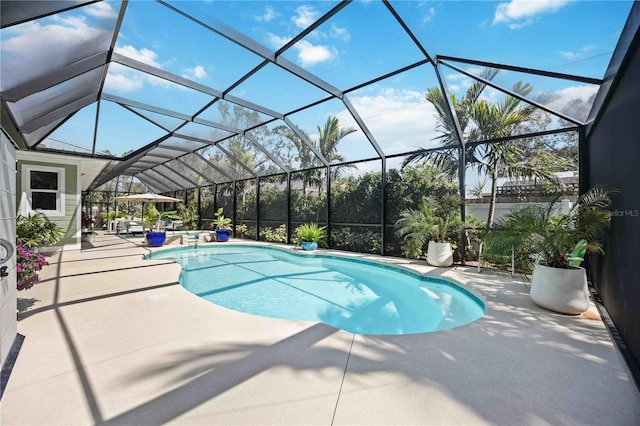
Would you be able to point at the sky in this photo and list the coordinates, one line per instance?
(362, 42)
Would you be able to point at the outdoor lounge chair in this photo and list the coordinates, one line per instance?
(129, 227)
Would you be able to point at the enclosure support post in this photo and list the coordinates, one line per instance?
(463, 207)
(199, 207)
(235, 206)
(288, 207)
(583, 161)
(215, 197)
(258, 208)
(383, 195)
(329, 206)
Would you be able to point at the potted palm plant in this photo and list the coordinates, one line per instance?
(433, 221)
(546, 238)
(311, 235)
(222, 224)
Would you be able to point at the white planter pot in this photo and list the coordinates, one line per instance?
(560, 290)
(439, 254)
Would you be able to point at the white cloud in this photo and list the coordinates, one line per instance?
(400, 120)
(144, 55)
(66, 31)
(427, 17)
(196, 73)
(579, 54)
(119, 82)
(122, 80)
(305, 16)
(518, 13)
(275, 41)
(268, 15)
(575, 101)
(454, 88)
(199, 72)
(101, 10)
(341, 33)
(309, 55)
(28, 52)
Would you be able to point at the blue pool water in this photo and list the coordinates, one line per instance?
(354, 295)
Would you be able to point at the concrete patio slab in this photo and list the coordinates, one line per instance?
(111, 338)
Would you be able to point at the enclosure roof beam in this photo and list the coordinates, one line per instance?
(196, 171)
(164, 176)
(146, 107)
(407, 30)
(363, 126)
(572, 77)
(54, 78)
(57, 113)
(183, 176)
(307, 142)
(165, 75)
(267, 153)
(151, 182)
(210, 164)
(513, 94)
(451, 109)
(237, 160)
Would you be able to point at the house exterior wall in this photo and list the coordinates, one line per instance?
(8, 292)
(70, 221)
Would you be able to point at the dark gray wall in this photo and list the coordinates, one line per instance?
(613, 157)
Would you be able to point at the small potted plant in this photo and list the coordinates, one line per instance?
(434, 221)
(311, 235)
(222, 224)
(547, 239)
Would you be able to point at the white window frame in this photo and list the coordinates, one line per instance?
(60, 193)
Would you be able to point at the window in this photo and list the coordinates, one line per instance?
(45, 189)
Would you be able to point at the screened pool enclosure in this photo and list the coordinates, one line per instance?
(283, 112)
(346, 113)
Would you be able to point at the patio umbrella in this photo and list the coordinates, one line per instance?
(148, 198)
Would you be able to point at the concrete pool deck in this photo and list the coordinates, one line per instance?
(111, 338)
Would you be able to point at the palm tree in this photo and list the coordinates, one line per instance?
(304, 156)
(481, 120)
(329, 136)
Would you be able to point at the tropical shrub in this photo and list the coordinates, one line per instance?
(360, 240)
(112, 215)
(536, 232)
(35, 230)
(245, 231)
(28, 264)
(189, 214)
(277, 235)
(220, 221)
(311, 232)
(433, 220)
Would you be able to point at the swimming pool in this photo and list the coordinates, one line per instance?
(351, 294)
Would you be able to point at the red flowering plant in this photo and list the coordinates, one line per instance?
(28, 264)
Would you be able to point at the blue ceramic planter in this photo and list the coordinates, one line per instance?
(222, 235)
(309, 245)
(156, 239)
